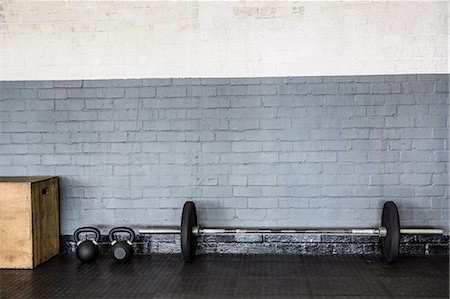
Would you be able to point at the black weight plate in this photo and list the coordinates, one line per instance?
(188, 240)
(391, 221)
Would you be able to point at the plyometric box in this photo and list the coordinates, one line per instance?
(29, 221)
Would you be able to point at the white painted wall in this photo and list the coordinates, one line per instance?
(73, 40)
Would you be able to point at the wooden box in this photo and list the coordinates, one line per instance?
(29, 221)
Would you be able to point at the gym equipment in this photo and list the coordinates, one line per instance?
(188, 239)
(391, 241)
(389, 232)
(87, 250)
(121, 251)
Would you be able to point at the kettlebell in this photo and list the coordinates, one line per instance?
(87, 250)
(121, 251)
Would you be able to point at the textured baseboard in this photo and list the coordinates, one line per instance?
(314, 244)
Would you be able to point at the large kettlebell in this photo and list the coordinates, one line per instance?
(87, 250)
(121, 251)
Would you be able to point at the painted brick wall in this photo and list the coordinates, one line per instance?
(288, 151)
(55, 40)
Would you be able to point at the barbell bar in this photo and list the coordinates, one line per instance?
(198, 230)
(389, 231)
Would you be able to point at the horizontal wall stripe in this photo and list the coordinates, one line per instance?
(304, 244)
(58, 40)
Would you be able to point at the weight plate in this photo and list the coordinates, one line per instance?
(188, 240)
(391, 221)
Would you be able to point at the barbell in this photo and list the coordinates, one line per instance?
(389, 231)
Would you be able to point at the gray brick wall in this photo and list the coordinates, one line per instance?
(294, 151)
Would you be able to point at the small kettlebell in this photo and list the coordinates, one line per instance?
(87, 250)
(121, 251)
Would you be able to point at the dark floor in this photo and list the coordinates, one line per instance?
(232, 276)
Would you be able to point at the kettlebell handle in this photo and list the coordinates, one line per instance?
(87, 229)
(121, 230)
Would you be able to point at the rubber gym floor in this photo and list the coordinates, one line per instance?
(232, 276)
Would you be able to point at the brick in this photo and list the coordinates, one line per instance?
(250, 214)
(433, 99)
(303, 79)
(427, 144)
(261, 89)
(367, 191)
(293, 135)
(156, 82)
(155, 147)
(267, 135)
(262, 203)
(97, 83)
(215, 81)
(430, 191)
(56, 160)
(216, 191)
(418, 87)
(384, 156)
(236, 180)
(430, 121)
(324, 88)
(369, 100)
(416, 133)
(353, 156)
(399, 122)
(171, 136)
(245, 81)
(216, 147)
(336, 145)
(412, 110)
(110, 93)
(202, 91)
(82, 115)
(398, 191)
(275, 191)
(230, 136)
(52, 94)
(293, 157)
(259, 180)
(67, 83)
(438, 109)
(442, 86)
(12, 105)
(249, 101)
(100, 104)
(292, 89)
(335, 191)
(247, 191)
(235, 90)
(385, 88)
(338, 100)
(385, 179)
(69, 104)
(416, 179)
(354, 88)
(386, 110)
(322, 157)
(39, 105)
(278, 123)
(355, 133)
